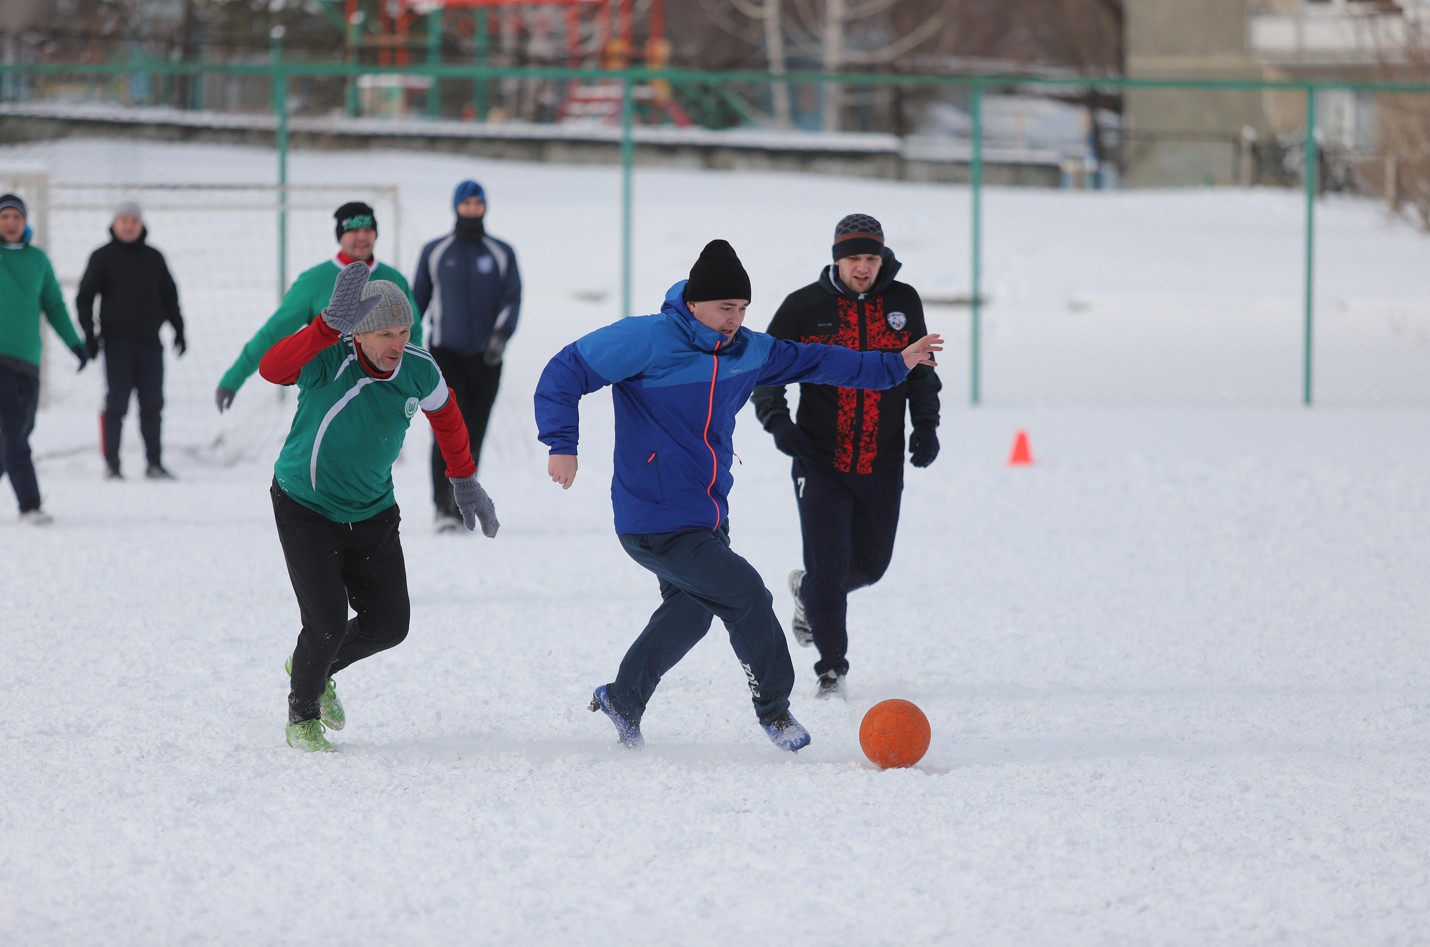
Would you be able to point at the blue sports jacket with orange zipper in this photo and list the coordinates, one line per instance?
(677, 387)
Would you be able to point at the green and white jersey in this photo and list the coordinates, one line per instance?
(349, 428)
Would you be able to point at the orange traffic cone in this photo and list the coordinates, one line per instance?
(1022, 456)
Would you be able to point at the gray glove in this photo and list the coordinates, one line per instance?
(491, 355)
(475, 505)
(347, 308)
(223, 397)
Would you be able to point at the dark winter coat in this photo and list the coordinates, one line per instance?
(678, 386)
(137, 293)
(850, 430)
(467, 290)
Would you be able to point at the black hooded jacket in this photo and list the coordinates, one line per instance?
(851, 430)
(138, 294)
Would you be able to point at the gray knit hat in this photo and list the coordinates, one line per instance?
(129, 208)
(395, 310)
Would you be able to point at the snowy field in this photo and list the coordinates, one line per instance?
(1176, 670)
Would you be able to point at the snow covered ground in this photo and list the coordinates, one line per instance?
(1176, 670)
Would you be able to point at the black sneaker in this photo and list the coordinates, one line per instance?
(831, 684)
(111, 472)
(799, 624)
(157, 472)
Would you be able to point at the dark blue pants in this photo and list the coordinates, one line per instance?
(848, 522)
(132, 365)
(19, 398)
(332, 565)
(473, 384)
(701, 578)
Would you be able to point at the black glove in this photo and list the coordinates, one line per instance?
(347, 309)
(180, 346)
(223, 397)
(81, 353)
(788, 437)
(923, 445)
(492, 354)
(475, 505)
(91, 344)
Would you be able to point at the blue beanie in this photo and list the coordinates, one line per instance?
(468, 189)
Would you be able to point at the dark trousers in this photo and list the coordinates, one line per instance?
(132, 365)
(332, 565)
(19, 398)
(848, 522)
(474, 384)
(701, 578)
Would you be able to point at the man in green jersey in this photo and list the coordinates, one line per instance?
(27, 288)
(357, 235)
(360, 383)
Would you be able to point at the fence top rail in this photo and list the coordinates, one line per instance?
(288, 69)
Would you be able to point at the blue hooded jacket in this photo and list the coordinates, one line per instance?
(678, 386)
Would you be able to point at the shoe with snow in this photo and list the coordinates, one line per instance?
(329, 707)
(628, 730)
(111, 472)
(831, 684)
(157, 472)
(36, 518)
(786, 732)
(448, 523)
(307, 735)
(799, 624)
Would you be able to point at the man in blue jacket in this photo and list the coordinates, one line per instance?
(679, 378)
(468, 289)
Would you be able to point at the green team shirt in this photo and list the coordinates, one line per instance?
(349, 428)
(306, 298)
(27, 288)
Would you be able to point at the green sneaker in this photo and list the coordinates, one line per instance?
(329, 707)
(307, 735)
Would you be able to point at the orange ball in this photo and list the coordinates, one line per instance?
(895, 733)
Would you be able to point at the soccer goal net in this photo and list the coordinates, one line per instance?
(233, 249)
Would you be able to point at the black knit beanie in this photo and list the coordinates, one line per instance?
(858, 233)
(354, 215)
(718, 274)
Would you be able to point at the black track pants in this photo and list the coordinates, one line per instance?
(331, 566)
(849, 522)
(474, 384)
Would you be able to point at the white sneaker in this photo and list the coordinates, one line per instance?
(36, 518)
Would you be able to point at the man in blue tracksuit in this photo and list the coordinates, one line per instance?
(679, 378)
(468, 289)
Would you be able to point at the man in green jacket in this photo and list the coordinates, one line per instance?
(310, 292)
(27, 288)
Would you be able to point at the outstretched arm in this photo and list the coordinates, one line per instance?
(283, 363)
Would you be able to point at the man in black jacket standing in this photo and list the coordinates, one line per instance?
(138, 296)
(848, 444)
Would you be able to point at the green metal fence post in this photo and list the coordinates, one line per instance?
(975, 174)
(479, 84)
(1312, 173)
(354, 56)
(628, 161)
(280, 111)
(434, 58)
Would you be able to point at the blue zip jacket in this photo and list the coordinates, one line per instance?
(678, 385)
(466, 292)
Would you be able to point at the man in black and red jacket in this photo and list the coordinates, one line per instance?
(848, 444)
